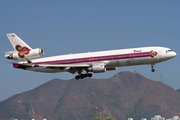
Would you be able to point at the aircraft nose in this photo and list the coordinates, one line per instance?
(173, 54)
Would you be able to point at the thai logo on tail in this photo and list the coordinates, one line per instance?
(153, 53)
(22, 51)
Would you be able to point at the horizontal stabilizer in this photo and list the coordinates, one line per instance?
(19, 65)
(9, 53)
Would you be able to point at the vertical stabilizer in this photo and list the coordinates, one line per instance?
(15, 40)
(22, 50)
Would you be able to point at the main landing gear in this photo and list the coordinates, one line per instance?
(82, 76)
(152, 68)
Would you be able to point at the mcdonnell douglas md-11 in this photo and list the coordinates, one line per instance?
(95, 62)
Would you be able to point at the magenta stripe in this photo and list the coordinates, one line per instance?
(100, 58)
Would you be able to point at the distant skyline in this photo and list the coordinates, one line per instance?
(63, 27)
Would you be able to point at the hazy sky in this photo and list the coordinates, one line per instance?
(63, 27)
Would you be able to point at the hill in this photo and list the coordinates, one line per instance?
(127, 94)
(178, 90)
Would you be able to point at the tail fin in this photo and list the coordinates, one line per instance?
(15, 40)
(22, 50)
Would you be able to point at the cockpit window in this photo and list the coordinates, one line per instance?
(168, 51)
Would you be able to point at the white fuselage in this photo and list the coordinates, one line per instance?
(111, 59)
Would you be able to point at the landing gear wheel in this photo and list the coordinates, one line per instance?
(77, 77)
(89, 75)
(153, 70)
(82, 76)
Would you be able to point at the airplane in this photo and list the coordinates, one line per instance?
(90, 62)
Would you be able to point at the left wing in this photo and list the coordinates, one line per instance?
(72, 68)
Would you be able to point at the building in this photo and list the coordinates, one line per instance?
(143, 119)
(130, 118)
(158, 117)
(174, 118)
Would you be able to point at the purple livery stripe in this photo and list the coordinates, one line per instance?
(101, 58)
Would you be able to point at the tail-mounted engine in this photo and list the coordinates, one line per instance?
(24, 53)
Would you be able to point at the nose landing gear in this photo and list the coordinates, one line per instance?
(152, 68)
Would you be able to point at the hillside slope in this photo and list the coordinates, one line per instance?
(127, 94)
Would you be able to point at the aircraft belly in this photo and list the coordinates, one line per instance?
(141, 61)
(112, 64)
(132, 61)
(120, 63)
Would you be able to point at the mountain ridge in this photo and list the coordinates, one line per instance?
(126, 94)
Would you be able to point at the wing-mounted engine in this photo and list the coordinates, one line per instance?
(99, 68)
(24, 53)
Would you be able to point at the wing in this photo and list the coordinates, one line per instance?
(72, 68)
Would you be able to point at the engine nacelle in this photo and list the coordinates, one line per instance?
(30, 54)
(97, 68)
